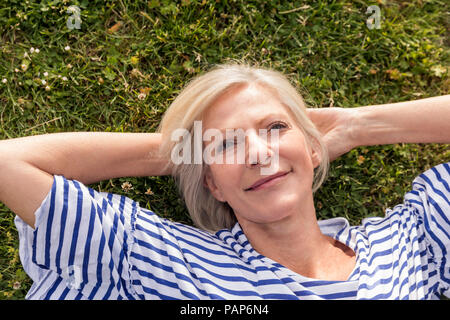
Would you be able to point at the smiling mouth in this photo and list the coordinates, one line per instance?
(267, 181)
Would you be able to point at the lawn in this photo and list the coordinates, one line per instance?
(121, 67)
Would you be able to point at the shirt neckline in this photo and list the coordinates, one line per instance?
(338, 228)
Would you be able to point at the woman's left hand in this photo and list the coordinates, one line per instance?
(337, 128)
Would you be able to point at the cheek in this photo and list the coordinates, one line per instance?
(226, 177)
(294, 147)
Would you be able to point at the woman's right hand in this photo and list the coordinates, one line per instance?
(337, 128)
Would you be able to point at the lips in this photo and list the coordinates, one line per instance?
(267, 179)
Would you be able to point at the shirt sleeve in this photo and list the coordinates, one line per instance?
(430, 196)
(84, 237)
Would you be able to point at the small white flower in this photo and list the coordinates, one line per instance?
(45, 74)
(126, 186)
(16, 70)
(44, 82)
(32, 50)
(24, 67)
(4, 80)
(67, 48)
(142, 96)
(64, 78)
(69, 66)
(25, 55)
(36, 50)
(16, 285)
(47, 88)
(59, 76)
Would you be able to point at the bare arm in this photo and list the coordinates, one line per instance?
(27, 164)
(420, 121)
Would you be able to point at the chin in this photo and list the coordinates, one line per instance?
(276, 211)
(289, 199)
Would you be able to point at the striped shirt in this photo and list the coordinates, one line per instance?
(98, 245)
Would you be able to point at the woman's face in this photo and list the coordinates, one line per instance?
(252, 108)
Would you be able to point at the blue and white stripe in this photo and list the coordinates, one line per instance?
(98, 245)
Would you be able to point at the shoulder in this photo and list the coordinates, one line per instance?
(435, 179)
(430, 194)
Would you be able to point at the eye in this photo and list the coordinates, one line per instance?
(225, 145)
(278, 125)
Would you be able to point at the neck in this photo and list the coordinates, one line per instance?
(296, 241)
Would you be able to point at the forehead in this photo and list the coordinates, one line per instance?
(241, 106)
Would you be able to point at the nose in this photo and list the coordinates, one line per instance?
(258, 150)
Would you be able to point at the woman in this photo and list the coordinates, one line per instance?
(260, 236)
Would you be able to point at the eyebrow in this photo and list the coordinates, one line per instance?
(261, 120)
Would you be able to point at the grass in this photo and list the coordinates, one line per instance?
(122, 69)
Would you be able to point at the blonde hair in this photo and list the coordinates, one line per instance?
(198, 95)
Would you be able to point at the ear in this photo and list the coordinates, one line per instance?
(208, 182)
(315, 158)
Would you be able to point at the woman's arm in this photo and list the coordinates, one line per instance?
(27, 164)
(90, 157)
(420, 121)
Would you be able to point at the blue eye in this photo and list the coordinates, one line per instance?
(278, 125)
(225, 145)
